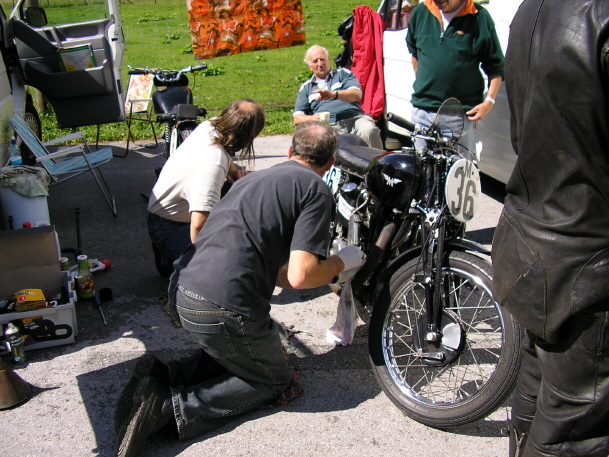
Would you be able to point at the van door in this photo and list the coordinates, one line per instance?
(6, 98)
(73, 55)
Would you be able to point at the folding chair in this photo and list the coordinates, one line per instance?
(138, 106)
(68, 162)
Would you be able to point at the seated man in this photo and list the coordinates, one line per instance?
(189, 184)
(270, 229)
(337, 92)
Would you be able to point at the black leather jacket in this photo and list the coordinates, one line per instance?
(551, 246)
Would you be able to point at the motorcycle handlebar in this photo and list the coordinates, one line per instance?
(401, 122)
(153, 71)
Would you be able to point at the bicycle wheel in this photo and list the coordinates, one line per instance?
(468, 373)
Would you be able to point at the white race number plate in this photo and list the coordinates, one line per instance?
(332, 178)
(462, 190)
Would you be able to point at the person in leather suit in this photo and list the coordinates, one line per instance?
(551, 246)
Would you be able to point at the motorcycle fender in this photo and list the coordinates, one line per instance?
(457, 244)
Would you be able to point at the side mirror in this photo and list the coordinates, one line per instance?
(35, 16)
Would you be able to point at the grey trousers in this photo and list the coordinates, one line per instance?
(362, 126)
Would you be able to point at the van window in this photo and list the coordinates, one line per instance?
(389, 12)
(65, 11)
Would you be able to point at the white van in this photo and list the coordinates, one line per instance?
(494, 146)
(32, 42)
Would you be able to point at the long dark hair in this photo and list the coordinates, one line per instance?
(238, 125)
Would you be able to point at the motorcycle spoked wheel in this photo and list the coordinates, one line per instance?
(481, 357)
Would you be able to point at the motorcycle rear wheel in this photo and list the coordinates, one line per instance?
(481, 344)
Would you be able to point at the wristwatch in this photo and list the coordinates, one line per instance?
(335, 95)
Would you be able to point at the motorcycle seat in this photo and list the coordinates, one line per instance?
(356, 159)
(350, 139)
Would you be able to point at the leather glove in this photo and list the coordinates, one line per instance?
(353, 258)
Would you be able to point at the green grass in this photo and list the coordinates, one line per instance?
(157, 35)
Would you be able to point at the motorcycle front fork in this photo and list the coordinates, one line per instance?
(432, 256)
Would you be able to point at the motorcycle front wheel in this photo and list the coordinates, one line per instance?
(471, 371)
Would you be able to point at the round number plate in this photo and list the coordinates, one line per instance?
(463, 190)
(332, 178)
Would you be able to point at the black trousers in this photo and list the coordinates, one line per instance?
(561, 401)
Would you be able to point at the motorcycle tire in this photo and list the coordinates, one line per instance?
(480, 345)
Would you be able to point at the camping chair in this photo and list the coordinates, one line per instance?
(70, 161)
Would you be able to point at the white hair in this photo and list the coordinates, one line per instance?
(314, 48)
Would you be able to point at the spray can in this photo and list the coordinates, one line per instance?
(14, 341)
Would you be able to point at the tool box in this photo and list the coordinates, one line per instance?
(29, 259)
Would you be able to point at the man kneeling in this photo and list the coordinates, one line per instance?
(270, 229)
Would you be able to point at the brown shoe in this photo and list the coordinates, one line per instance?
(151, 411)
(148, 365)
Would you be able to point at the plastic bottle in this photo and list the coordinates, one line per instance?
(84, 279)
(14, 152)
(14, 341)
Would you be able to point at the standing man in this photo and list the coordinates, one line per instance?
(449, 41)
(337, 92)
(551, 246)
(270, 229)
(190, 183)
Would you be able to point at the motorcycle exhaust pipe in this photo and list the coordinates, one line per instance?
(375, 256)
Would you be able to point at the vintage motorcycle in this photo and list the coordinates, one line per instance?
(172, 102)
(441, 348)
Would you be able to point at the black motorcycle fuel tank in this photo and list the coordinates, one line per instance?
(167, 99)
(394, 179)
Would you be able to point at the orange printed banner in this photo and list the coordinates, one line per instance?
(226, 27)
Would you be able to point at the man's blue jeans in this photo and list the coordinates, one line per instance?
(241, 367)
(169, 239)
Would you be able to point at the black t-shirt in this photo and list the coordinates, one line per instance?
(248, 236)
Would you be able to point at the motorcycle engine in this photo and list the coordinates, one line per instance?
(347, 202)
(347, 231)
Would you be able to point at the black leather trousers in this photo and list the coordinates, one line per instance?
(561, 401)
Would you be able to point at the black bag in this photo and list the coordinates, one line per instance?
(345, 31)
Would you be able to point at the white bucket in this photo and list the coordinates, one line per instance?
(23, 209)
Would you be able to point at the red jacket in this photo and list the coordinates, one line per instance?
(367, 63)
